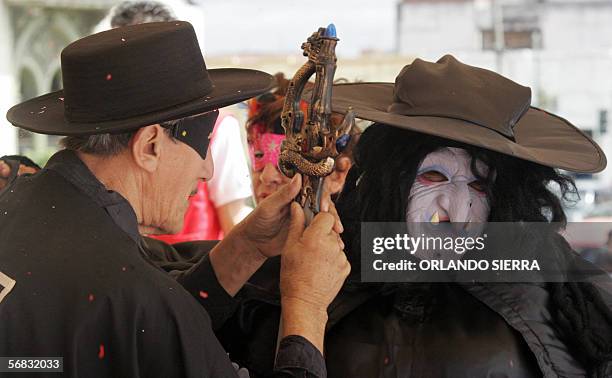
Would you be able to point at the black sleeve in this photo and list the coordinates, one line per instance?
(297, 357)
(189, 264)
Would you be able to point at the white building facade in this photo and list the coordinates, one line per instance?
(32, 35)
(562, 49)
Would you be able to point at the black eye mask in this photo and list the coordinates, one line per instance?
(196, 131)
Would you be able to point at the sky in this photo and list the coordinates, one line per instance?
(280, 26)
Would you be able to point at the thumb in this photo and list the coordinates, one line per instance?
(297, 225)
(286, 193)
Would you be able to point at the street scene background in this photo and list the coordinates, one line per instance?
(562, 49)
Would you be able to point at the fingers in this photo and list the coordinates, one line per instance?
(5, 170)
(343, 164)
(24, 169)
(296, 227)
(346, 269)
(321, 225)
(327, 205)
(338, 227)
(285, 194)
(340, 243)
(289, 191)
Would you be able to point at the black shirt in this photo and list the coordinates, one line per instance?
(88, 288)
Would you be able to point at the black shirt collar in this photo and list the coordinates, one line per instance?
(69, 166)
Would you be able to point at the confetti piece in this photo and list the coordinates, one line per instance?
(386, 361)
(101, 352)
(203, 294)
(123, 269)
(109, 77)
(61, 98)
(184, 133)
(29, 273)
(91, 297)
(122, 39)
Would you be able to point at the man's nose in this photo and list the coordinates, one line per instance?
(270, 175)
(208, 168)
(456, 202)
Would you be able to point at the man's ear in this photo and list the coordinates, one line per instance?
(146, 147)
(335, 181)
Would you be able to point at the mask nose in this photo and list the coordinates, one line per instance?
(456, 202)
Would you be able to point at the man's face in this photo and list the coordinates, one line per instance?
(446, 190)
(181, 169)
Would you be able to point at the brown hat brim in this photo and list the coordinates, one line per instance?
(45, 114)
(540, 137)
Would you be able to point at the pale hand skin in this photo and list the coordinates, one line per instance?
(260, 235)
(5, 172)
(313, 266)
(313, 269)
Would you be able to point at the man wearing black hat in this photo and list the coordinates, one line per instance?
(78, 282)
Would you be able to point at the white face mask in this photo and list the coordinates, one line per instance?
(445, 189)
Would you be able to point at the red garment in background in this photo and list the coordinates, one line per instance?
(201, 220)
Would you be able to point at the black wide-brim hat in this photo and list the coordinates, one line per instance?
(453, 100)
(122, 79)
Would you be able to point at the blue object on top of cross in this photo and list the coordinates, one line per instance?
(330, 31)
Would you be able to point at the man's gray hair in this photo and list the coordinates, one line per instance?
(106, 144)
(101, 144)
(140, 12)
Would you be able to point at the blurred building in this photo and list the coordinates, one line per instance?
(32, 35)
(562, 49)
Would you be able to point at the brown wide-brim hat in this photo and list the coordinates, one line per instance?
(125, 78)
(472, 105)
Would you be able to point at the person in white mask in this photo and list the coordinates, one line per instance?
(454, 144)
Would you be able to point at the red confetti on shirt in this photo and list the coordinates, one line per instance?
(386, 361)
(101, 352)
(29, 273)
(123, 269)
(91, 297)
(109, 77)
(203, 294)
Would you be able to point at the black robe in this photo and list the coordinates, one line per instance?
(78, 282)
(434, 330)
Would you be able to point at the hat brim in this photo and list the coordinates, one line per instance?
(539, 136)
(45, 114)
